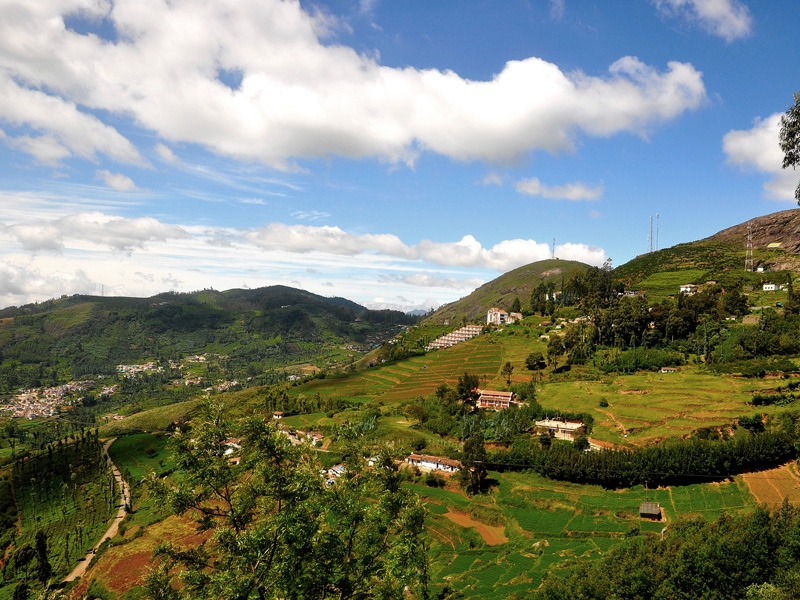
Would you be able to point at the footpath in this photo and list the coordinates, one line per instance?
(124, 497)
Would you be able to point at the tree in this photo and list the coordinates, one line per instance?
(279, 531)
(43, 568)
(516, 306)
(506, 372)
(790, 138)
(555, 348)
(467, 389)
(535, 361)
(473, 463)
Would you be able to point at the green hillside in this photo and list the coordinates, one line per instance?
(263, 329)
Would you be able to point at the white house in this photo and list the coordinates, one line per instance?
(497, 316)
(560, 429)
(495, 400)
(770, 287)
(690, 289)
(434, 463)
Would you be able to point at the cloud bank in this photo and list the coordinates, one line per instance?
(261, 80)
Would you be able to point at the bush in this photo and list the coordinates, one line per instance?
(418, 444)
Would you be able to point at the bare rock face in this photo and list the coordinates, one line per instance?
(777, 228)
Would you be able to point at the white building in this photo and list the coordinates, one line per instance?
(434, 463)
(560, 429)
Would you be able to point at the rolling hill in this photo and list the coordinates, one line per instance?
(502, 291)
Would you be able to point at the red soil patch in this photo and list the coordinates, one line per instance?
(493, 536)
(772, 486)
(122, 567)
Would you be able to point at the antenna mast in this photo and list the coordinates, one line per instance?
(650, 236)
(748, 257)
(657, 215)
(554, 248)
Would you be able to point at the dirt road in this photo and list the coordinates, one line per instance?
(124, 497)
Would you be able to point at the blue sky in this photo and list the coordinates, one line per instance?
(395, 153)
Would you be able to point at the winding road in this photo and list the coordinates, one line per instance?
(124, 496)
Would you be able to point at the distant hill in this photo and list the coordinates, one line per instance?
(502, 291)
(259, 329)
(776, 247)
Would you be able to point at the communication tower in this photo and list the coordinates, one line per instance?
(748, 256)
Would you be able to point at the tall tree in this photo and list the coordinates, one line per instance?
(467, 389)
(507, 371)
(43, 568)
(473, 463)
(279, 530)
(790, 138)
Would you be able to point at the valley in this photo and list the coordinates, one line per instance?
(689, 401)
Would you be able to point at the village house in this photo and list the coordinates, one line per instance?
(770, 287)
(689, 289)
(495, 400)
(433, 463)
(561, 429)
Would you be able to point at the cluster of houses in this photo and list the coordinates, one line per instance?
(45, 402)
(455, 337)
(133, 370)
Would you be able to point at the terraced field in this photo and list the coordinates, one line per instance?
(550, 523)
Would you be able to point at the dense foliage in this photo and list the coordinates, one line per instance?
(279, 530)
(676, 461)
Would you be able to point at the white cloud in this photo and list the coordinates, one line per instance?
(468, 252)
(310, 215)
(20, 284)
(728, 19)
(299, 97)
(493, 179)
(46, 149)
(557, 9)
(116, 233)
(76, 133)
(117, 181)
(758, 148)
(166, 154)
(569, 191)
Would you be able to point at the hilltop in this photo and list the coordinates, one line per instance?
(721, 257)
(502, 291)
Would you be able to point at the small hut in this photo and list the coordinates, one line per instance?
(650, 510)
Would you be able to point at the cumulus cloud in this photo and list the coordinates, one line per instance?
(728, 19)
(758, 148)
(117, 181)
(467, 252)
(116, 233)
(569, 191)
(297, 96)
